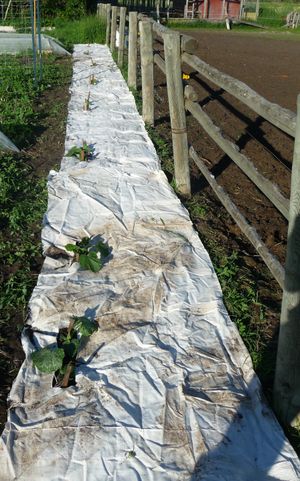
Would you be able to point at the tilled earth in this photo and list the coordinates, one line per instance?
(272, 68)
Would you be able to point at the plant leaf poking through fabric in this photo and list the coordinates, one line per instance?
(85, 326)
(89, 256)
(61, 360)
(48, 359)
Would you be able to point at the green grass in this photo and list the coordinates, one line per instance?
(23, 196)
(242, 302)
(24, 114)
(18, 93)
(273, 14)
(89, 29)
(23, 201)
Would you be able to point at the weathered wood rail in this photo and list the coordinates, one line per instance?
(178, 50)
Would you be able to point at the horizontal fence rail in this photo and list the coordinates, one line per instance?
(178, 51)
(282, 118)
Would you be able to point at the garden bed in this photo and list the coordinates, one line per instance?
(164, 387)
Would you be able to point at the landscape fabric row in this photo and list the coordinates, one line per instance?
(165, 388)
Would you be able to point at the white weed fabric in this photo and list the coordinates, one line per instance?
(165, 388)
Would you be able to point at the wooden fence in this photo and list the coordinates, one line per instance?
(178, 49)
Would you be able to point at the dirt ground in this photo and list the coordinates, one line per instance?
(272, 68)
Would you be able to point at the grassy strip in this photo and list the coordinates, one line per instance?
(22, 195)
(274, 26)
(19, 119)
(23, 201)
(89, 29)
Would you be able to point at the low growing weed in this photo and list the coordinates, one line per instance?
(241, 300)
(23, 200)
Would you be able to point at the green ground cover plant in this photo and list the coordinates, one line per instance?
(26, 117)
(23, 202)
(19, 119)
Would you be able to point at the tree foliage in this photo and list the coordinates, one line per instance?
(69, 9)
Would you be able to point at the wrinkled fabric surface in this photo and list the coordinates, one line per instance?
(165, 388)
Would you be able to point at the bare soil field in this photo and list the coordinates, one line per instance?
(272, 68)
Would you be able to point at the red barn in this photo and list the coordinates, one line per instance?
(214, 10)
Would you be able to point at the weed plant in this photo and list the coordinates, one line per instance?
(23, 201)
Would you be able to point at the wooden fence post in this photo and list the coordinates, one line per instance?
(113, 28)
(287, 375)
(121, 36)
(147, 71)
(132, 49)
(177, 112)
(257, 10)
(108, 12)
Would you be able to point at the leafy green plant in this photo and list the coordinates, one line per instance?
(62, 359)
(90, 256)
(83, 153)
(25, 115)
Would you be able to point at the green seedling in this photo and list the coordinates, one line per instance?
(88, 255)
(83, 153)
(62, 359)
(93, 80)
(87, 103)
